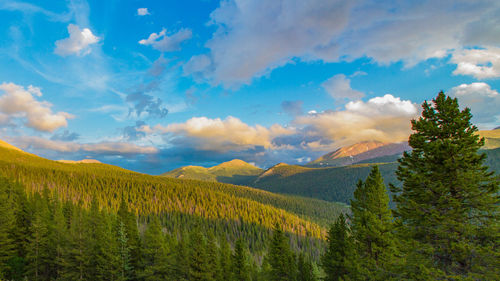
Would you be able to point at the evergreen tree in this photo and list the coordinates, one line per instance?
(305, 269)
(76, 258)
(125, 270)
(339, 260)
(156, 255)
(281, 258)
(199, 267)
(7, 228)
(448, 205)
(182, 259)
(372, 225)
(241, 270)
(38, 250)
(129, 220)
(224, 261)
(58, 237)
(212, 257)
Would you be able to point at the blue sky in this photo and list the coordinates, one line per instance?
(154, 85)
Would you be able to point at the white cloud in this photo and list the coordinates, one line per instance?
(479, 63)
(339, 88)
(143, 12)
(230, 134)
(18, 102)
(483, 101)
(104, 148)
(254, 37)
(77, 43)
(384, 118)
(167, 43)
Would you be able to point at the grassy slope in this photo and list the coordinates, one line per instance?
(233, 172)
(155, 194)
(492, 138)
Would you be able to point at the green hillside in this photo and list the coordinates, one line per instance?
(491, 137)
(235, 211)
(234, 172)
(336, 184)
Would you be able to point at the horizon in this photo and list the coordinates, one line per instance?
(154, 86)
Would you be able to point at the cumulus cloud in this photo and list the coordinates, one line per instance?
(479, 63)
(143, 12)
(339, 88)
(230, 134)
(102, 148)
(483, 101)
(384, 118)
(167, 43)
(19, 102)
(336, 30)
(78, 42)
(292, 107)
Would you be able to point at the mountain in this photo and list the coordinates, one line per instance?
(337, 184)
(359, 152)
(491, 137)
(234, 172)
(230, 210)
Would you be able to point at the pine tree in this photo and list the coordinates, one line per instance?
(281, 258)
(7, 228)
(372, 225)
(339, 260)
(199, 267)
(58, 237)
(305, 269)
(157, 265)
(125, 270)
(448, 205)
(181, 271)
(224, 261)
(76, 258)
(212, 257)
(240, 264)
(38, 254)
(129, 220)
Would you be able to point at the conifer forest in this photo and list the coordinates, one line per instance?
(439, 221)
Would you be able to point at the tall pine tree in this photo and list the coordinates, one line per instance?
(372, 225)
(281, 258)
(339, 261)
(448, 205)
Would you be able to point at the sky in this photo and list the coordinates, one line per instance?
(155, 85)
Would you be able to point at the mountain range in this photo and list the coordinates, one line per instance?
(331, 177)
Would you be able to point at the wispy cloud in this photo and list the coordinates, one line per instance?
(167, 43)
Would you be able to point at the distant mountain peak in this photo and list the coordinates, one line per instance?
(234, 163)
(359, 152)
